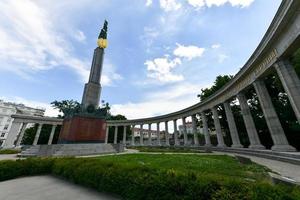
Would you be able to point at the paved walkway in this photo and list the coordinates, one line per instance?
(8, 157)
(287, 170)
(47, 188)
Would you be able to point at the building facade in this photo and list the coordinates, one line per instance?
(7, 109)
(137, 132)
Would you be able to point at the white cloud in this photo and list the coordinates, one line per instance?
(80, 36)
(222, 58)
(169, 5)
(50, 111)
(197, 3)
(160, 69)
(242, 3)
(215, 46)
(148, 3)
(188, 52)
(177, 97)
(109, 74)
(30, 42)
(209, 3)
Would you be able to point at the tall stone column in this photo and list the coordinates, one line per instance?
(275, 128)
(249, 123)
(167, 136)
(291, 84)
(141, 135)
(52, 134)
(232, 126)
(37, 135)
(132, 135)
(218, 128)
(196, 141)
(158, 134)
(124, 135)
(12, 134)
(116, 135)
(21, 134)
(149, 135)
(175, 132)
(205, 130)
(185, 137)
(106, 134)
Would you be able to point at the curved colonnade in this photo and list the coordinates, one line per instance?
(278, 44)
(281, 40)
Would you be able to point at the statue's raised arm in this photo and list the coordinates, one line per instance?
(103, 33)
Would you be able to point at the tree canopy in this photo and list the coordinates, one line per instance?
(220, 81)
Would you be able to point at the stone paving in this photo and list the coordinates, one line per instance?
(47, 188)
(287, 170)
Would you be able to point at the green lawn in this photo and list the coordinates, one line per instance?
(216, 165)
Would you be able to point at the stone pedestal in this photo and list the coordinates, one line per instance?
(82, 129)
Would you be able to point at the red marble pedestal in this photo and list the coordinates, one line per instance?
(82, 129)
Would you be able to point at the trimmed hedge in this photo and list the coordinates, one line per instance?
(132, 181)
(9, 151)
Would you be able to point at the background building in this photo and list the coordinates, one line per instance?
(7, 109)
(136, 132)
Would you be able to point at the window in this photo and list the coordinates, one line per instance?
(2, 134)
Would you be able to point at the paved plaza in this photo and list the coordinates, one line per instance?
(47, 188)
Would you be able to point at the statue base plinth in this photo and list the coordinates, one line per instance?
(82, 129)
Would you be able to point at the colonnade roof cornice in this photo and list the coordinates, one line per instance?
(37, 119)
(264, 56)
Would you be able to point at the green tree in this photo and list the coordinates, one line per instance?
(120, 129)
(220, 81)
(67, 107)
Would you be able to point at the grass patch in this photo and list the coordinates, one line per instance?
(159, 176)
(9, 151)
(167, 149)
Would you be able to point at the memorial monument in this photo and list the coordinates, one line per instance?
(89, 124)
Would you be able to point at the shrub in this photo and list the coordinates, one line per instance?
(9, 151)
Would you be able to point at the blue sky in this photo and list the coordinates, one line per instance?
(160, 53)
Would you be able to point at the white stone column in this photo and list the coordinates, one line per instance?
(12, 134)
(149, 135)
(185, 137)
(158, 134)
(132, 135)
(52, 134)
(205, 130)
(291, 84)
(196, 141)
(167, 136)
(141, 135)
(37, 135)
(218, 127)
(20, 137)
(232, 126)
(175, 133)
(275, 128)
(124, 135)
(106, 134)
(116, 135)
(249, 123)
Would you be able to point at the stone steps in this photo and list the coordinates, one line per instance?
(71, 150)
(279, 156)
